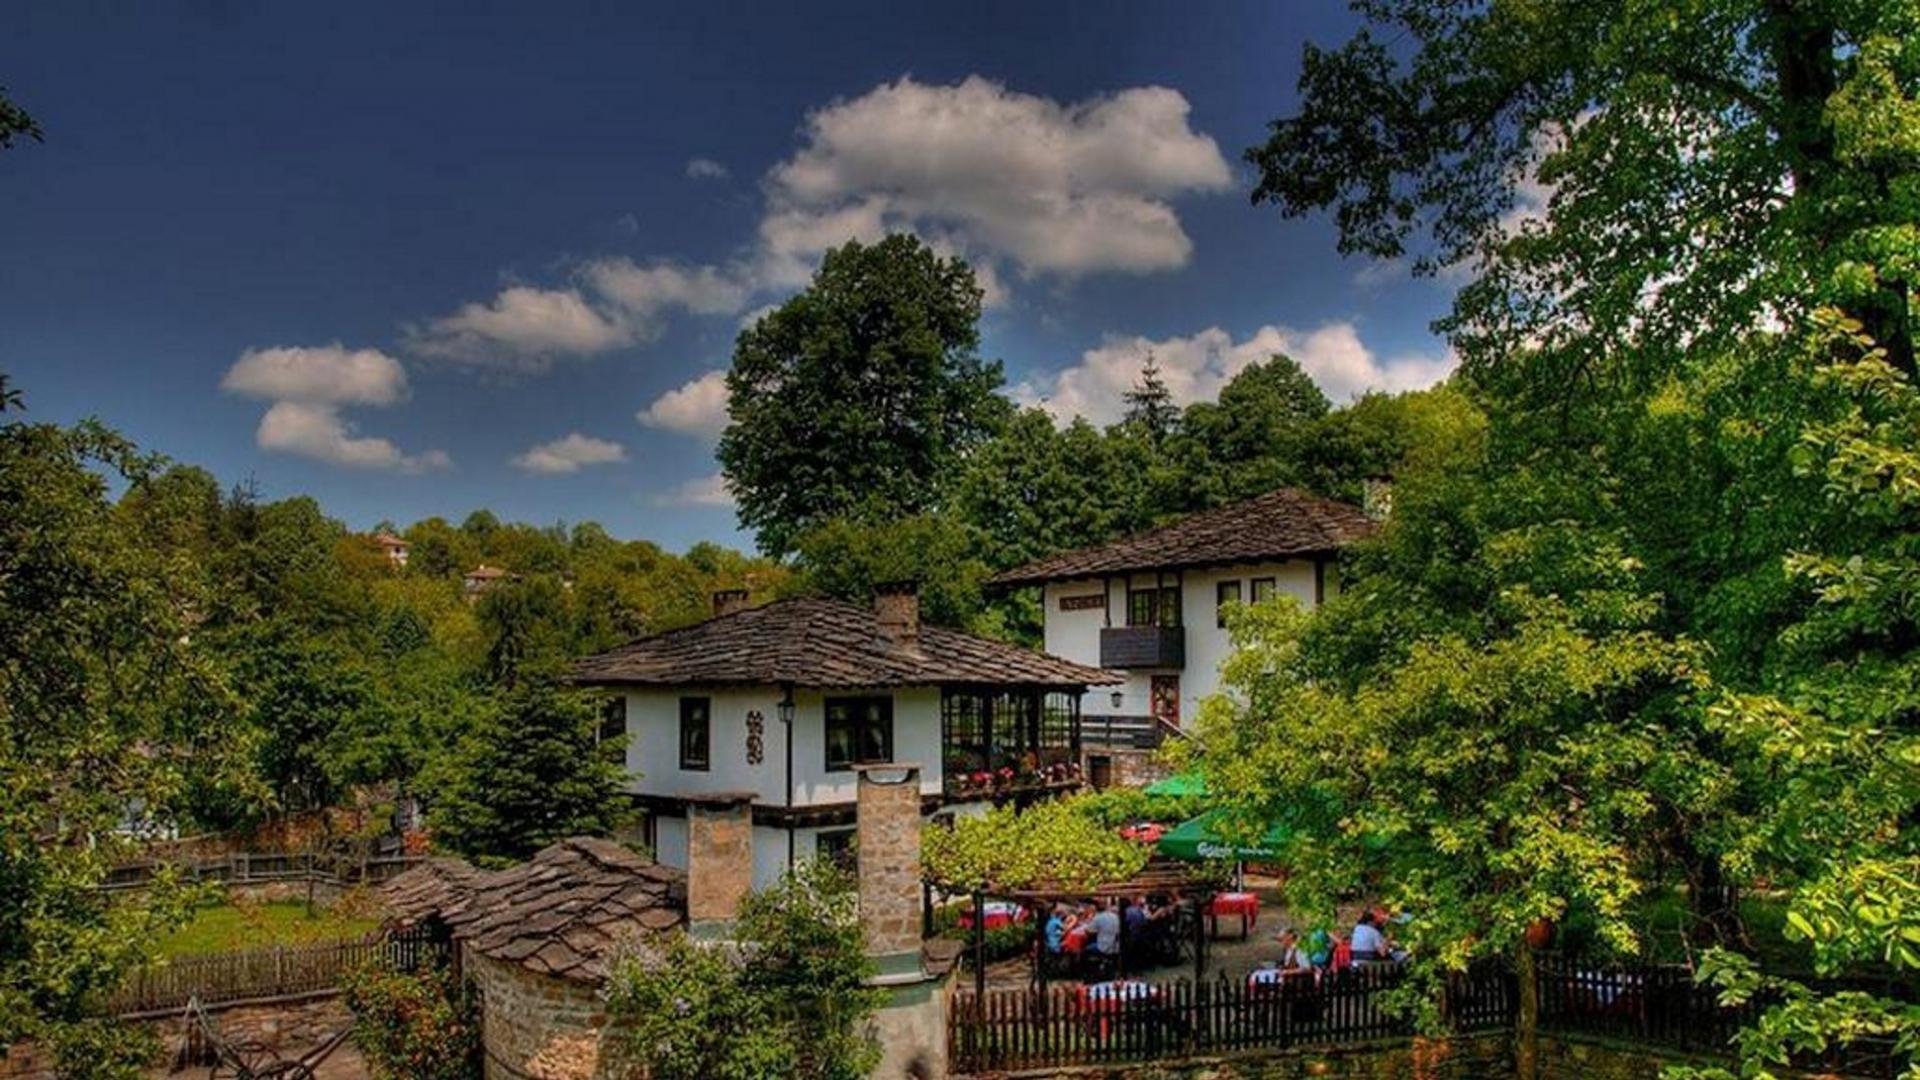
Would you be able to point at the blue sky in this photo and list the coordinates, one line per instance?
(414, 262)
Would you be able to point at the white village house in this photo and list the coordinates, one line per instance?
(778, 704)
(1151, 605)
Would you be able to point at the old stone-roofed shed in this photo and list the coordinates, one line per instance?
(538, 939)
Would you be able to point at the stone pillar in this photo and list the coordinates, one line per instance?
(889, 857)
(719, 860)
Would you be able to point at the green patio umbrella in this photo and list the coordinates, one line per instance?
(1179, 785)
(1199, 839)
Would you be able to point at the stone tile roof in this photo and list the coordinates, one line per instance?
(565, 912)
(1280, 524)
(824, 644)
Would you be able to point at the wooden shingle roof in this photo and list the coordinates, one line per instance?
(565, 912)
(1286, 523)
(824, 644)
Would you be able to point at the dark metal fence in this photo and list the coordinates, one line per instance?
(1068, 1025)
(253, 974)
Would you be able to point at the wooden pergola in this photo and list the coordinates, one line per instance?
(1158, 876)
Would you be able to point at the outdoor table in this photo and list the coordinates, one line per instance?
(1244, 904)
(1102, 1000)
(1143, 832)
(999, 913)
(1075, 941)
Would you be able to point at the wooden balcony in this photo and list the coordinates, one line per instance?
(1143, 647)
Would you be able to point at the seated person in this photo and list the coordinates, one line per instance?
(1368, 942)
(1136, 919)
(1058, 923)
(1293, 960)
(1320, 947)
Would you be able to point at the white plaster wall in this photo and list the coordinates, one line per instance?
(670, 841)
(653, 744)
(1075, 635)
(916, 740)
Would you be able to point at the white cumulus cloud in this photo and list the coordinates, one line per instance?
(318, 431)
(308, 386)
(698, 407)
(1196, 367)
(321, 373)
(569, 454)
(706, 169)
(644, 292)
(1057, 188)
(710, 490)
(522, 329)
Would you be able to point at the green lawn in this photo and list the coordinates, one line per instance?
(225, 928)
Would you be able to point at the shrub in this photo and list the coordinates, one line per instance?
(420, 1025)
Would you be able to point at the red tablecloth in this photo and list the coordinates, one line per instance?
(1244, 904)
(1143, 832)
(1075, 941)
(999, 914)
(1101, 1000)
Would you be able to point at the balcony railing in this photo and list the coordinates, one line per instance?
(1143, 647)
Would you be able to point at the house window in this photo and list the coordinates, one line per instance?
(995, 738)
(696, 734)
(1154, 607)
(859, 732)
(841, 847)
(1263, 589)
(612, 735)
(1227, 592)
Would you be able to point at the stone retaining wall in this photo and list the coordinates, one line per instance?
(288, 1028)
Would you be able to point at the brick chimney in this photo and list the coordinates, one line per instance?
(1376, 498)
(719, 860)
(728, 601)
(896, 604)
(888, 817)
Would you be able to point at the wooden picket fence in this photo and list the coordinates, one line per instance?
(257, 974)
(1011, 1030)
(1662, 1006)
(255, 868)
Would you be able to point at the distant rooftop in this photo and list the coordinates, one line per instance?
(825, 644)
(1287, 523)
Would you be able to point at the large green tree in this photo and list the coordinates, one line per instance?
(527, 772)
(859, 395)
(110, 709)
(1654, 201)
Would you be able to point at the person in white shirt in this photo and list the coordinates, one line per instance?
(1368, 942)
(1292, 960)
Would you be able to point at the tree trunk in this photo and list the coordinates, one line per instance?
(1526, 1027)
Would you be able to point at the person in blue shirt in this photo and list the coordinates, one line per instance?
(1056, 929)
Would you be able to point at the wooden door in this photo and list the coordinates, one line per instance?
(1166, 698)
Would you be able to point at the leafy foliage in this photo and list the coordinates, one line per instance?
(108, 711)
(422, 1025)
(528, 773)
(1060, 843)
(788, 997)
(859, 395)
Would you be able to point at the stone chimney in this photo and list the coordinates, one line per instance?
(1376, 498)
(719, 860)
(896, 604)
(889, 857)
(728, 601)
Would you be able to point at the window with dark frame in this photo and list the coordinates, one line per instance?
(993, 736)
(696, 734)
(1263, 589)
(1227, 592)
(1159, 606)
(840, 847)
(859, 732)
(612, 736)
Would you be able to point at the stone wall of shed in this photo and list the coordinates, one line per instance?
(537, 1027)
